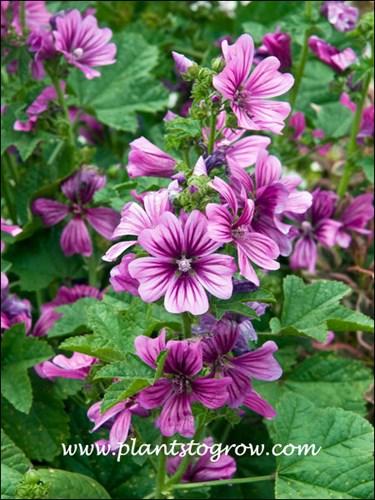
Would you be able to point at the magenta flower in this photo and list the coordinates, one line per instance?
(177, 392)
(90, 129)
(76, 367)
(259, 363)
(36, 15)
(204, 469)
(367, 118)
(37, 107)
(83, 43)
(342, 16)
(8, 228)
(13, 309)
(41, 42)
(182, 265)
(146, 159)
(79, 189)
(64, 296)
(117, 418)
(182, 63)
(355, 218)
(134, 219)
(226, 225)
(247, 93)
(276, 44)
(298, 123)
(120, 277)
(330, 55)
(316, 226)
(272, 196)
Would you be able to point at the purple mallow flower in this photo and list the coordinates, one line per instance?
(227, 225)
(9, 228)
(13, 309)
(204, 468)
(355, 218)
(64, 296)
(120, 277)
(182, 265)
(182, 63)
(276, 44)
(146, 159)
(342, 16)
(79, 189)
(117, 419)
(41, 43)
(89, 128)
(83, 43)
(37, 107)
(76, 367)
(36, 15)
(366, 129)
(315, 226)
(177, 392)
(135, 218)
(259, 364)
(330, 55)
(248, 93)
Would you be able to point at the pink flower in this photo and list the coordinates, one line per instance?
(204, 468)
(134, 219)
(42, 43)
(247, 93)
(79, 189)
(275, 44)
(226, 225)
(13, 309)
(37, 107)
(298, 122)
(316, 226)
(181, 387)
(331, 55)
(182, 63)
(83, 43)
(64, 296)
(182, 265)
(76, 367)
(355, 218)
(117, 418)
(367, 118)
(120, 277)
(13, 230)
(36, 15)
(146, 159)
(344, 17)
(88, 126)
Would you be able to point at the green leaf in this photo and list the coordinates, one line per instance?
(19, 353)
(25, 142)
(160, 362)
(13, 465)
(367, 165)
(43, 252)
(57, 483)
(237, 303)
(335, 120)
(180, 130)
(343, 468)
(40, 433)
(135, 375)
(311, 310)
(124, 88)
(74, 318)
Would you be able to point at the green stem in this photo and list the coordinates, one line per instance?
(13, 167)
(211, 140)
(186, 460)
(352, 144)
(62, 102)
(186, 325)
(160, 476)
(186, 156)
(302, 62)
(92, 266)
(223, 482)
(6, 192)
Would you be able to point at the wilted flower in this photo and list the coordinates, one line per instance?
(276, 44)
(330, 55)
(79, 189)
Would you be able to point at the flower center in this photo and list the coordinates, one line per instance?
(76, 209)
(77, 53)
(240, 233)
(184, 264)
(241, 98)
(181, 384)
(306, 227)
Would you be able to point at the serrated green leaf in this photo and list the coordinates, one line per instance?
(124, 88)
(19, 353)
(335, 120)
(74, 318)
(310, 310)
(57, 483)
(40, 433)
(13, 465)
(367, 165)
(343, 468)
(180, 131)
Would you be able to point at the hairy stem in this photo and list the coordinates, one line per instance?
(160, 476)
(302, 62)
(223, 482)
(352, 144)
(92, 266)
(211, 140)
(64, 107)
